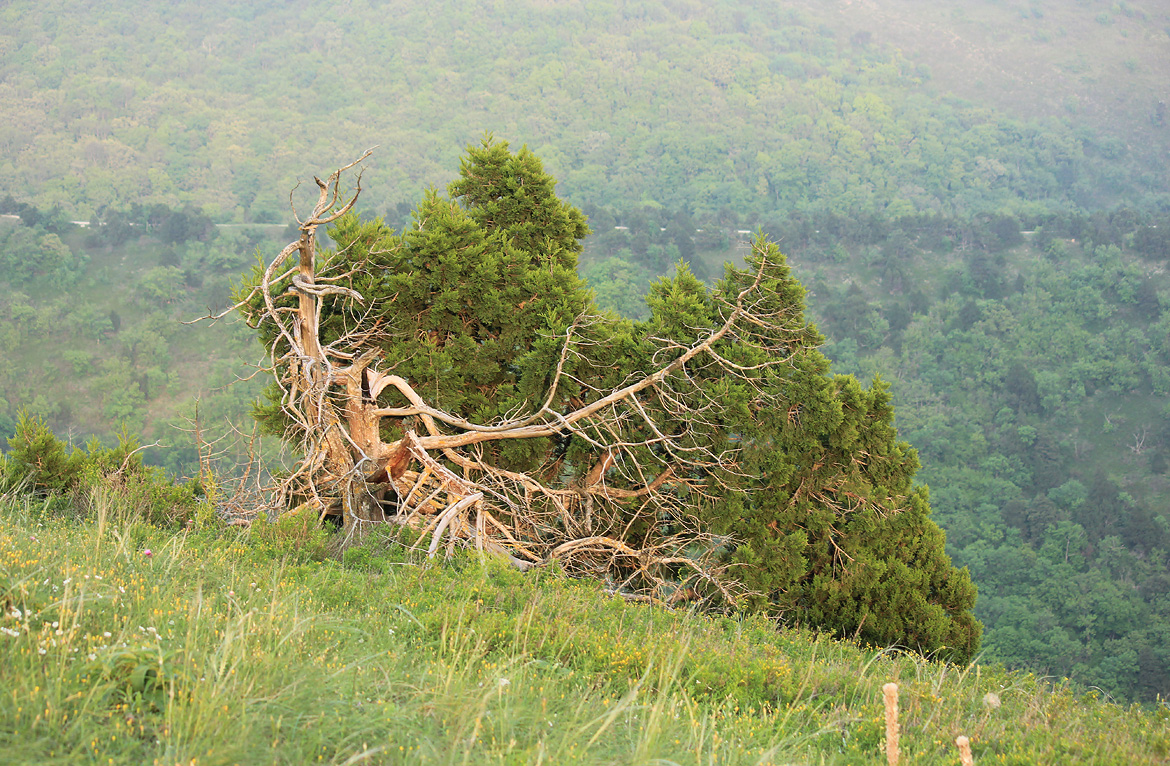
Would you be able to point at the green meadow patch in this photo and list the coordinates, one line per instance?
(128, 643)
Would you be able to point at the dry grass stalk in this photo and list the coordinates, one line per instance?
(890, 694)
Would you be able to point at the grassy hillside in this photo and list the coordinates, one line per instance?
(122, 642)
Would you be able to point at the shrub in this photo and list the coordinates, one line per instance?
(40, 464)
(38, 461)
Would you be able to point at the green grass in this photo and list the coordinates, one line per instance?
(224, 646)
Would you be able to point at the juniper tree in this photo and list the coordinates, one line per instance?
(456, 377)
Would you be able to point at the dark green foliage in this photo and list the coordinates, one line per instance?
(898, 316)
(1003, 232)
(40, 461)
(29, 253)
(473, 298)
(1154, 241)
(113, 227)
(53, 220)
(1020, 382)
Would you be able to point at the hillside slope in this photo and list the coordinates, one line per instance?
(127, 643)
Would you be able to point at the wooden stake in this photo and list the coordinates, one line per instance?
(890, 693)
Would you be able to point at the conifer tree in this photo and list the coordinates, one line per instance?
(463, 382)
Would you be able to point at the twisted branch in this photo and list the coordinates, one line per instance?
(652, 463)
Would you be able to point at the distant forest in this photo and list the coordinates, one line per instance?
(761, 109)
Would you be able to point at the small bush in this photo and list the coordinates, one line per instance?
(38, 461)
(42, 465)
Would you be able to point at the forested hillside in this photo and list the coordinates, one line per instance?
(1034, 381)
(895, 150)
(773, 108)
(92, 334)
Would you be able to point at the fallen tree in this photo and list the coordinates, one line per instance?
(457, 379)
